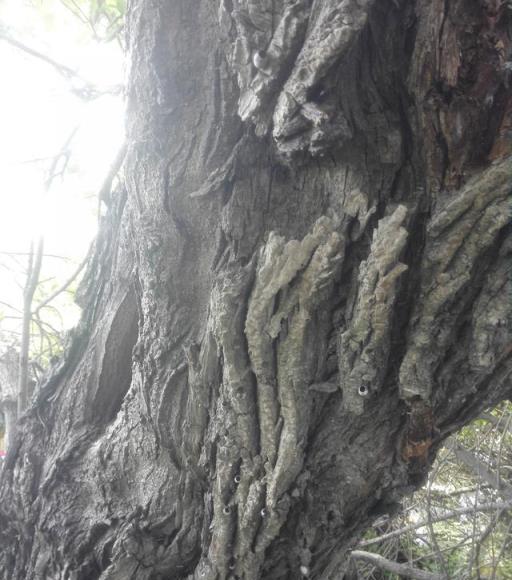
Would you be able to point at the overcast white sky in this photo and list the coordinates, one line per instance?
(38, 112)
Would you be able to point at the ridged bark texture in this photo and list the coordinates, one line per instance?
(300, 289)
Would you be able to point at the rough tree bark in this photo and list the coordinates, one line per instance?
(9, 382)
(300, 289)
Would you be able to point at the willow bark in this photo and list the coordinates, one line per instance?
(299, 291)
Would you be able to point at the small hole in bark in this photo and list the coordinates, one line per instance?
(263, 513)
(232, 564)
(226, 510)
(237, 478)
(363, 391)
(302, 74)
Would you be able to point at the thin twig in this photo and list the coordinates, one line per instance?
(76, 11)
(435, 544)
(106, 187)
(9, 306)
(403, 570)
(44, 335)
(480, 469)
(87, 92)
(34, 269)
(458, 545)
(33, 273)
(62, 69)
(484, 507)
(496, 422)
(43, 323)
(45, 256)
(66, 284)
(504, 546)
(480, 542)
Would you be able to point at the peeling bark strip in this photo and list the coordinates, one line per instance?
(299, 290)
(364, 348)
(292, 281)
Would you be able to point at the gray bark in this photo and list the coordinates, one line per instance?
(9, 381)
(9, 412)
(300, 289)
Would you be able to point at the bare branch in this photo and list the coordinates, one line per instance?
(474, 558)
(403, 570)
(27, 253)
(505, 545)
(76, 11)
(480, 469)
(104, 193)
(10, 306)
(497, 422)
(34, 270)
(484, 507)
(33, 273)
(86, 91)
(62, 69)
(452, 548)
(42, 324)
(65, 285)
(435, 544)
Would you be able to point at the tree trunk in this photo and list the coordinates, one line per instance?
(300, 289)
